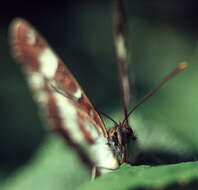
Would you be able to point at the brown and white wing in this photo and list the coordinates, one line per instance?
(63, 103)
(121, 50)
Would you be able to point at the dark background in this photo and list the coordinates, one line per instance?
(162, 34)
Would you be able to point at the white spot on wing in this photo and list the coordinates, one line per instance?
(69, 118)
(125, 82)
(103, 155)
(31, 37)
(42, 97)
(78, 94)
(121, 47)
(48, 63)
(36, 80)
(91, 129)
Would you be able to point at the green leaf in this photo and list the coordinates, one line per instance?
(146, 177)
(53, 166)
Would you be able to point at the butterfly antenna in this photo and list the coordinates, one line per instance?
(180, 68)
(107, 116)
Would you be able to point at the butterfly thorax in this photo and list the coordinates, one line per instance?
(123, 142)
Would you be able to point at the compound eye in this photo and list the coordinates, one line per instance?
(112, 134)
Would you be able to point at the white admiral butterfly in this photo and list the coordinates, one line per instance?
(65, 106)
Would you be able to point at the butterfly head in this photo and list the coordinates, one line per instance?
(123, 142)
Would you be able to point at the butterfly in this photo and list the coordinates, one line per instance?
(64, 105)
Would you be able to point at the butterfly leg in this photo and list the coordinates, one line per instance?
(93, 173)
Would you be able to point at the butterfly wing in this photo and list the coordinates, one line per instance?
(63, 103)
(121, 50)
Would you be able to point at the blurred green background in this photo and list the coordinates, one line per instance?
(162, 34)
